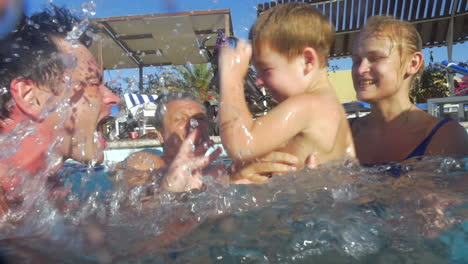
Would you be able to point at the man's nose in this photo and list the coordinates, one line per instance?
(109, 97)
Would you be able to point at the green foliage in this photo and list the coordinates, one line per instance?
(193, 78)
(432, 83)
(196, 77)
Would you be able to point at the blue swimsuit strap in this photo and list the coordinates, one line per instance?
(421, 148)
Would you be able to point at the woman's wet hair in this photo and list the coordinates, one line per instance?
(404, 36)
(164, 99)
(400, 32)
(29, 52)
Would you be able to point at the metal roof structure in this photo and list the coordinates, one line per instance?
(158, 39)
(440, 22)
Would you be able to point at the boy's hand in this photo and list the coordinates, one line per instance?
(234, 62)
(261, 170)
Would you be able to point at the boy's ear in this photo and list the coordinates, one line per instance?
(25, 93)
(415, 63)
(310, 59)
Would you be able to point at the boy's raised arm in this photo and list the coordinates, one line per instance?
(244, 138)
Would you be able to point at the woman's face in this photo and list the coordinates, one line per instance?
(377, 68)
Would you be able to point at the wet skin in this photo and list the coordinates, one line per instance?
(90, 102)
(376, 70)
(275, 72)
(177, 125)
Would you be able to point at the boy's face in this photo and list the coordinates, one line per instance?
(376, 68)
(281, 77)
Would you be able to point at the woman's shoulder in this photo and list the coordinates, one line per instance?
(449, 138)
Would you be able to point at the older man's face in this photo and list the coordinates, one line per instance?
(181, 117)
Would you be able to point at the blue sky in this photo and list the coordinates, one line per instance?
(243, 15)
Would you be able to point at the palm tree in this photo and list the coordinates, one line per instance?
(196, 77)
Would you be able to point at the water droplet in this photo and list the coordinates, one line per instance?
(78, 30)
(193, 123)
(89, 8)
(75, 44)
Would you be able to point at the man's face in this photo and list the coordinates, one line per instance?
(90, 102)
(182, 116)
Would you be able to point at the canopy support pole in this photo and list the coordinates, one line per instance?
(140, 78)
(449, 41)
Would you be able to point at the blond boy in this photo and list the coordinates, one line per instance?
(290, 44)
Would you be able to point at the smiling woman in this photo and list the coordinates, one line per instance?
(386, 58)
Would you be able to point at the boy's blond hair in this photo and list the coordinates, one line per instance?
(289, 28)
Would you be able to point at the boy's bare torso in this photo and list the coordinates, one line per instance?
(326, 134)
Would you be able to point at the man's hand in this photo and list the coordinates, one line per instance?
(261, 170)
(184, 173)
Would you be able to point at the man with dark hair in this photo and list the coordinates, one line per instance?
(52, 99)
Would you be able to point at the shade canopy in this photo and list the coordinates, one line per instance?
(431, 18)
(158, 39)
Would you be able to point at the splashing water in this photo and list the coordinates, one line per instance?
(89, 9)
(78, 30)
(312, 215)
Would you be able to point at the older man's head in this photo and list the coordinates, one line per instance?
(177, 114)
